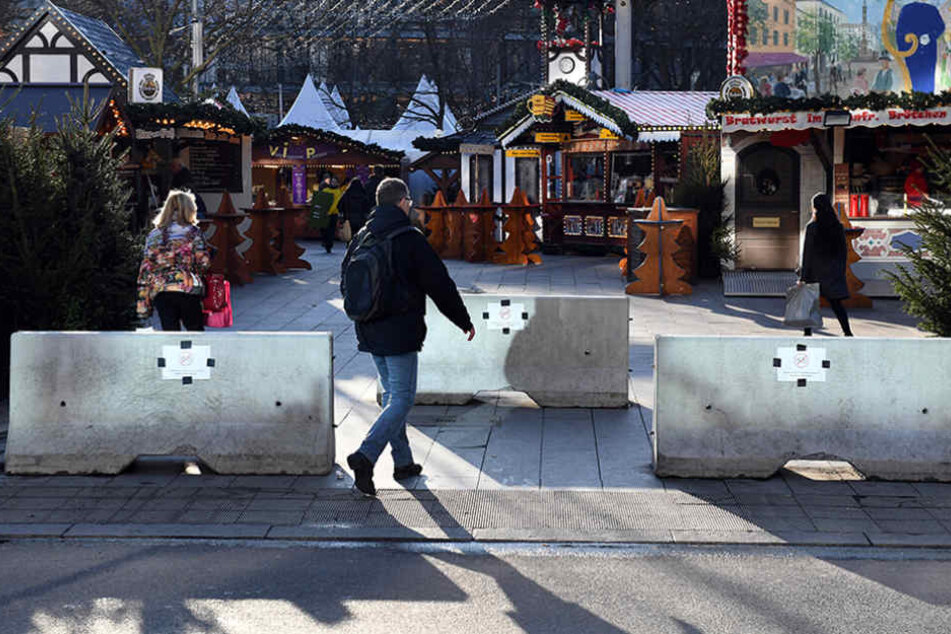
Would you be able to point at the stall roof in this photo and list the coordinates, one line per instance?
(335, 105)
(112, 47)
(661, 109)
(759, 59)
(309, 109)
(47, 102)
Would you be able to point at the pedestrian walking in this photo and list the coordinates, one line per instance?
(824, 255)
(373, 182)
(355, 206)
(388, 271)
(176, 257)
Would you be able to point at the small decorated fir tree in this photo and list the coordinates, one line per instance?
(925, 288)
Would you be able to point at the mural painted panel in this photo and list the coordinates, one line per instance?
(845, 47)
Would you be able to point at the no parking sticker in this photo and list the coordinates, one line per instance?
(505, 316)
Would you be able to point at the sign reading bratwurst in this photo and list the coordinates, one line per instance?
(895, 117)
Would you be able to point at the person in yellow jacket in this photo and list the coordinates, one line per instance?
(328, 211)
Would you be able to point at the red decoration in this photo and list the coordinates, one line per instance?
(738, 23)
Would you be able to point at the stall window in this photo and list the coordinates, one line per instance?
(527, 177)
(586, 177)
(629, 172)
(553, 173)
(480, 175)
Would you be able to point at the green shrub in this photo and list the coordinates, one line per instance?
(68, 259)
(701, 188)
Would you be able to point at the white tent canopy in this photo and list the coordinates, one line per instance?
(235, 101)
(309, 109)
(423, 109)
(336, 106)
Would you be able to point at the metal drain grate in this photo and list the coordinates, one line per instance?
(757, 283)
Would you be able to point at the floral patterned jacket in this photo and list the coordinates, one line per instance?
(174, 262)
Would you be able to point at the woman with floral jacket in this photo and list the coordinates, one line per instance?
(176, 257)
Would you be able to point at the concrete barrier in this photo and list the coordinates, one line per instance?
(743, 406)
(91, 402)
(561, 351)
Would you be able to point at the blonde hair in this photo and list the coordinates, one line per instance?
(180, 207)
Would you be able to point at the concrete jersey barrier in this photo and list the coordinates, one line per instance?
(91, 402)
(561, 351)
(743, 406)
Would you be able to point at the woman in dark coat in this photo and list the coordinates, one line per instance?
(824, 255)
(355, 206)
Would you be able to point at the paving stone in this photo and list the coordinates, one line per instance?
(22, 516)
(701, 536)
(73, 516)
(912, 527)
(33, 530)
(568, 535)
(75, 481)
(209, 517)
(886, 501)
(392, 533)
(907, 514)
(201, 481)
(141, 480)
(774, 485)
(271, 517)
(30, 503)
(835, 501)
(158, 531)
(934, 490)
(834, 512)
(937, 540)
(165, 504)
(844, 525)
(214, 504)
(870, 488)
(280, 504)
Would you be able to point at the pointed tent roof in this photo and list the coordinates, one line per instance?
(235, 101)
(422, 108)
(342, 115)
(309, 109)
(335, 106)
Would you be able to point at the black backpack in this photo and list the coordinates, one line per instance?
(368, 281)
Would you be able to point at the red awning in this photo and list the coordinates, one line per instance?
(757, 60)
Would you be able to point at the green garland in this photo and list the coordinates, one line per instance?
(628, 128)
(871, 101)
(287, 132)
(150, 116)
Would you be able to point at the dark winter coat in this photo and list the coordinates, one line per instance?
(824, 254)
(354, 206)
(418, 267)
(371, 185)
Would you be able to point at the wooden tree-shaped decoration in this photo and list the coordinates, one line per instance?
(521, 244)
(435, 223)
(226, 206)
(455, 224)
(856, 299)
(659, 273)
(473, 232)
(634, 236)
(284, 199)
(260, 200)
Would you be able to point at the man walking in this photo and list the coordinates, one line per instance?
(396, 336)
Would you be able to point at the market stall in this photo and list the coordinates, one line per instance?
(586, 157)
(872, 160)
(296, 158)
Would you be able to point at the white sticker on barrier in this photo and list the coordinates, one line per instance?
(794, 364)
(194, 362)
(505, 316)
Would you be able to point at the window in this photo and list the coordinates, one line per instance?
(785, 16)
(527, 178)
(553, 162)
(765, 37)
(480, 175)
(775, 38)
(629, 171)
(786, 38)
(753, 34)
(586, 177)
(776, 14)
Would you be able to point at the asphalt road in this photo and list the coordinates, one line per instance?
(120, 587)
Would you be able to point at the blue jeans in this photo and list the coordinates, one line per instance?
(398, 377)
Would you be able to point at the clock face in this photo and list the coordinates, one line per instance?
(566, 65)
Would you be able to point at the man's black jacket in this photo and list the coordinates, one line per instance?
(417, 266)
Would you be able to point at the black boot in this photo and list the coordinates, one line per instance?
(362, 472)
